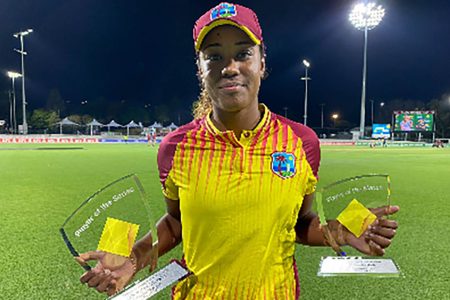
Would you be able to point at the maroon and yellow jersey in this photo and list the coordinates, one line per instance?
(239, 202)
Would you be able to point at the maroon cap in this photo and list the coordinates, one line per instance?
(228, 14)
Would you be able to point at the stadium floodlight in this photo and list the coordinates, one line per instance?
(12, 108)
(22, 52)
(23, 33)
(334, 117)
(306, 63)
(13, 75)
(365, 16)
(306, 78)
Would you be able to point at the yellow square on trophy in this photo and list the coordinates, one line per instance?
(356, 217)
(118, 237)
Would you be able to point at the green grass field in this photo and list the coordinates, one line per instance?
(39, 189)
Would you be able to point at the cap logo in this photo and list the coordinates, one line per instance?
(223, 10)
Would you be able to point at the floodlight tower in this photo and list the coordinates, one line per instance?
(371, 110)
(20, 35)
(12, 111)
(306, 78)
(321, 114)
(365, 16)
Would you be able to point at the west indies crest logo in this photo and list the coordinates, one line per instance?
(283, 164)
(223, 10)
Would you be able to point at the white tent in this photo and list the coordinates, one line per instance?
(112, 124)
(65, 122)
(156, 125)
(172, 126)
(132, 124)
(94, 123)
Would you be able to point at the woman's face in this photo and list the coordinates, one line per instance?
(231, 67)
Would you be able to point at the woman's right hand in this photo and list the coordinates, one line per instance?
(111, 274)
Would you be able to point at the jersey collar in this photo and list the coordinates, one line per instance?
(261, 124)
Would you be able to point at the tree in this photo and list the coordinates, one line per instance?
(442, 114)
(86, 119)
(80, 119)
(55, 102)
(75, 118)
(43, 119)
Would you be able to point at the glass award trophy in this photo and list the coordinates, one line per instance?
(349, 202)
(110, 222)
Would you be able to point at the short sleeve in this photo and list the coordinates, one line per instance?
(311, 183)
(310, 144)
(166, 154)
(170, 189)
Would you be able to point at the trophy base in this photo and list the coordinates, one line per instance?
(357, 266)
(150, 286)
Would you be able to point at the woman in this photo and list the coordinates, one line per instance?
(240, 179)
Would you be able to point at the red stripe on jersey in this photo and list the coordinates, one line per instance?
(233, 156)
(294, 142)
(285, 137)
(202, 153)
(263, 153)
(252, 150)
(223, 150)
(182, 151)
(212, 142)
(168, 147)
(309, 140)
(192, 151)
(276, 128)
(242, 161)
(230, 137)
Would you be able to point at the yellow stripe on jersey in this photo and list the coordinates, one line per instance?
(239, 201)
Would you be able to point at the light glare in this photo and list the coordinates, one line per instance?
(14, 74)
(23, 33)
(366, 15)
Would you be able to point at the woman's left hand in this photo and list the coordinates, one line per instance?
(378, 235)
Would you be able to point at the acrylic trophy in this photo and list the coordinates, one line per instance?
(110, 222)
(349, 201)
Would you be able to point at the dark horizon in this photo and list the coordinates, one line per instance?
(134, 53)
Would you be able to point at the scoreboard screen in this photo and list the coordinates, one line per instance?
(381, 131)
(413, 120)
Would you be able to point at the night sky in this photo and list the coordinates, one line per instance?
(141, 52)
